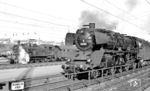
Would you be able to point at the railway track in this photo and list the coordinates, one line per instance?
(27, 74)
(121, 81)
(117, 81)
(132, 82)
(59, 82)
(17, 66)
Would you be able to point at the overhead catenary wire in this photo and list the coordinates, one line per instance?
(33, 11)
(33, 19)
(26, 24)
(36, 20)
(123, 10)
(111, 14)
(37, 12)
(148, 1)
(17, 22)
(147, 12)
(41, 13)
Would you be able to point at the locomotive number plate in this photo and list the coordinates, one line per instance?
(17, 86)
(83, 44)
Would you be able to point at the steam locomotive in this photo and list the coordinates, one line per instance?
(39, 53)
(100, 48)
(46, 53)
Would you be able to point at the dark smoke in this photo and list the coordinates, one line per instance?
(131, 4)
(101, 20)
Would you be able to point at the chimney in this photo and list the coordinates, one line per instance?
(91, 25)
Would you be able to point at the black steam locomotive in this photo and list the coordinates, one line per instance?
(39, 53)
(43, 53)
(101, 48)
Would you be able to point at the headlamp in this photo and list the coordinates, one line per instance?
(81, 66)
(88, 60)
(68, 60)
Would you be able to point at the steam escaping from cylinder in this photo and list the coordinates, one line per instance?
(100, 19)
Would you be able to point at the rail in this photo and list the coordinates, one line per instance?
(69, 82)
(13, 66)
(106, 73)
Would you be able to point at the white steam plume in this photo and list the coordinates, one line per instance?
(101, 20)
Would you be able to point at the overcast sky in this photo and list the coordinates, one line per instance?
(52, 19)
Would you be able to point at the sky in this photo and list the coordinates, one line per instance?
(51, 19)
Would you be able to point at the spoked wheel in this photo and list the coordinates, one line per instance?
(95, 74)
(71, 76)
(118, 69)
(127, 68)
(123, 68)
(106, 72)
